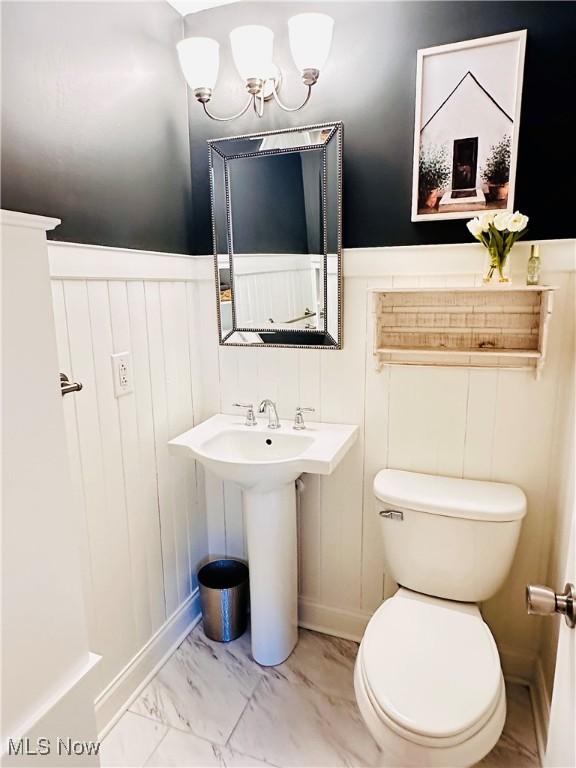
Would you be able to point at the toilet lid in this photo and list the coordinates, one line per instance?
(431, 665)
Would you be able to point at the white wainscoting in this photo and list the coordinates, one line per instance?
(486, 424)
(140, 511)
(147, 519)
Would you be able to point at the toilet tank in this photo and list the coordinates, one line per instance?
(446, 536)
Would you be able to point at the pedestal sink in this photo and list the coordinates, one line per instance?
(265, 463)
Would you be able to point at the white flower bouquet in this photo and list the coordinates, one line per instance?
(498, 232)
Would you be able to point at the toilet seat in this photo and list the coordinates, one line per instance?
(430, 669)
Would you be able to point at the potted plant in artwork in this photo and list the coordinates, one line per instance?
(496, 172)
(433, 175)
(498, 232)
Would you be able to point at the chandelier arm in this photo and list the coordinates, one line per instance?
(291, 109)
(251, 100)
(259, 109)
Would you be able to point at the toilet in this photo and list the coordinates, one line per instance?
(428, 680)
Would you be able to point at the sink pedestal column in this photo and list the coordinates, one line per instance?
(271, 532)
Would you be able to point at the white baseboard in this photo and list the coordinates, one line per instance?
(127, 685)
(540, 696)
(338, 622)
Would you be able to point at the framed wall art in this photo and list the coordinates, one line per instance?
(468, 97)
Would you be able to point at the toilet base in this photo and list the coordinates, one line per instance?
(401, 752)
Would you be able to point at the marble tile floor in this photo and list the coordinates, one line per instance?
(212, 705)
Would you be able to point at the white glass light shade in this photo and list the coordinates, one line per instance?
(199, 61)
(310, 39)
(252, 50)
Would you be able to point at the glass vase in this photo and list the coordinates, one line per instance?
(497, 269)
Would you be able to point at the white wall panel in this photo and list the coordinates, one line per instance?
(72, 442)
(137, 444)
(376, 448)
(141, 511)
(342, 382)
(181, 477)
(174, 568)
(480, 416)
(110, 565)
(146, 510)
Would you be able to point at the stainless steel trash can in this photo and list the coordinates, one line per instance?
(224, 599)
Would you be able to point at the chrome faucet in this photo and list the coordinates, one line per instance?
(273, 420)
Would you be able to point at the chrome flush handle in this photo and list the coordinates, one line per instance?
(250, 416)
(543, 601)
(392, 514)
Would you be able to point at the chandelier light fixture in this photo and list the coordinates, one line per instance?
(252, 49)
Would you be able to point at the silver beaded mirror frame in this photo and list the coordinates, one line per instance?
(276, 201)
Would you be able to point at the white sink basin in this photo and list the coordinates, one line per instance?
(258, 458)
(265, 464)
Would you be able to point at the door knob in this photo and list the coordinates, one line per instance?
(543, 601)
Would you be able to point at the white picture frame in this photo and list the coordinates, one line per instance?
(466, 126)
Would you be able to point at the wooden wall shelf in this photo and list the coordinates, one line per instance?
(503, 327)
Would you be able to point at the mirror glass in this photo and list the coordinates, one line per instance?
(276, 214)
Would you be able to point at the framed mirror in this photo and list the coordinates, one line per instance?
(276, 225)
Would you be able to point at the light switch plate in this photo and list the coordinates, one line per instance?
(122, 373)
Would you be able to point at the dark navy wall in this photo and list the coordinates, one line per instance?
(95, 131)
(369, 83)
(94, 127)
